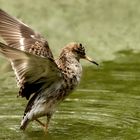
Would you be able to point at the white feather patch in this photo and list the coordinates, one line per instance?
(22, 47)
(32, 36)
(16, 73)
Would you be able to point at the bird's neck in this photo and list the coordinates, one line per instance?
(70, 65)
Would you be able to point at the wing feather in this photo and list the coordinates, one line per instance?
(32, 72)
(20, 36)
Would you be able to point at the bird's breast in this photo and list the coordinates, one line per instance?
(71, 70)
(72, 75)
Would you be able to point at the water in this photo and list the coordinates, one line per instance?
(106, 105)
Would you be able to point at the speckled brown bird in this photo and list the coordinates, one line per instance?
(42, 80)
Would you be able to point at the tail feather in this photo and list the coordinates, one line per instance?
(26, 118)
(24, 123)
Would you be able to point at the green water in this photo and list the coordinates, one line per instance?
(106, 105)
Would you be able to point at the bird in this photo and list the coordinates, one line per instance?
(43, 80)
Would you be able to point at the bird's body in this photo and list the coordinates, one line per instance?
(44, 81)
(46, 102)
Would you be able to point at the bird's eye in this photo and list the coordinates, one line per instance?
(80, 45)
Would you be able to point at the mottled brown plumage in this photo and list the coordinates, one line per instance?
(44, 81)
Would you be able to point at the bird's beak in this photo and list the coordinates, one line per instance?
(90, 60)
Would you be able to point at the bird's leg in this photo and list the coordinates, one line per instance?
(42, 124)
(45, 126)
(49, 115)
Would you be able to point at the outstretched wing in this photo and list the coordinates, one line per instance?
(19, 35)
(33, 72)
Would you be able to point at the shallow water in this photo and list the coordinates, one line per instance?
(105, 106)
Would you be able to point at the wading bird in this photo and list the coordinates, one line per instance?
(42, 80)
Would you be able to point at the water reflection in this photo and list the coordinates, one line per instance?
(106, 105)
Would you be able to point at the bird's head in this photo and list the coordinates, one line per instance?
(78, 51)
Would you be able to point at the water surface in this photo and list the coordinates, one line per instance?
(105, 106)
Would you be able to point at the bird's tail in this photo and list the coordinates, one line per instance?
(27, 114)
(24, 123)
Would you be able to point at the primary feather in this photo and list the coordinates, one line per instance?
(20, 36)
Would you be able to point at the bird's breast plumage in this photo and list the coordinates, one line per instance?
(71, 70)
